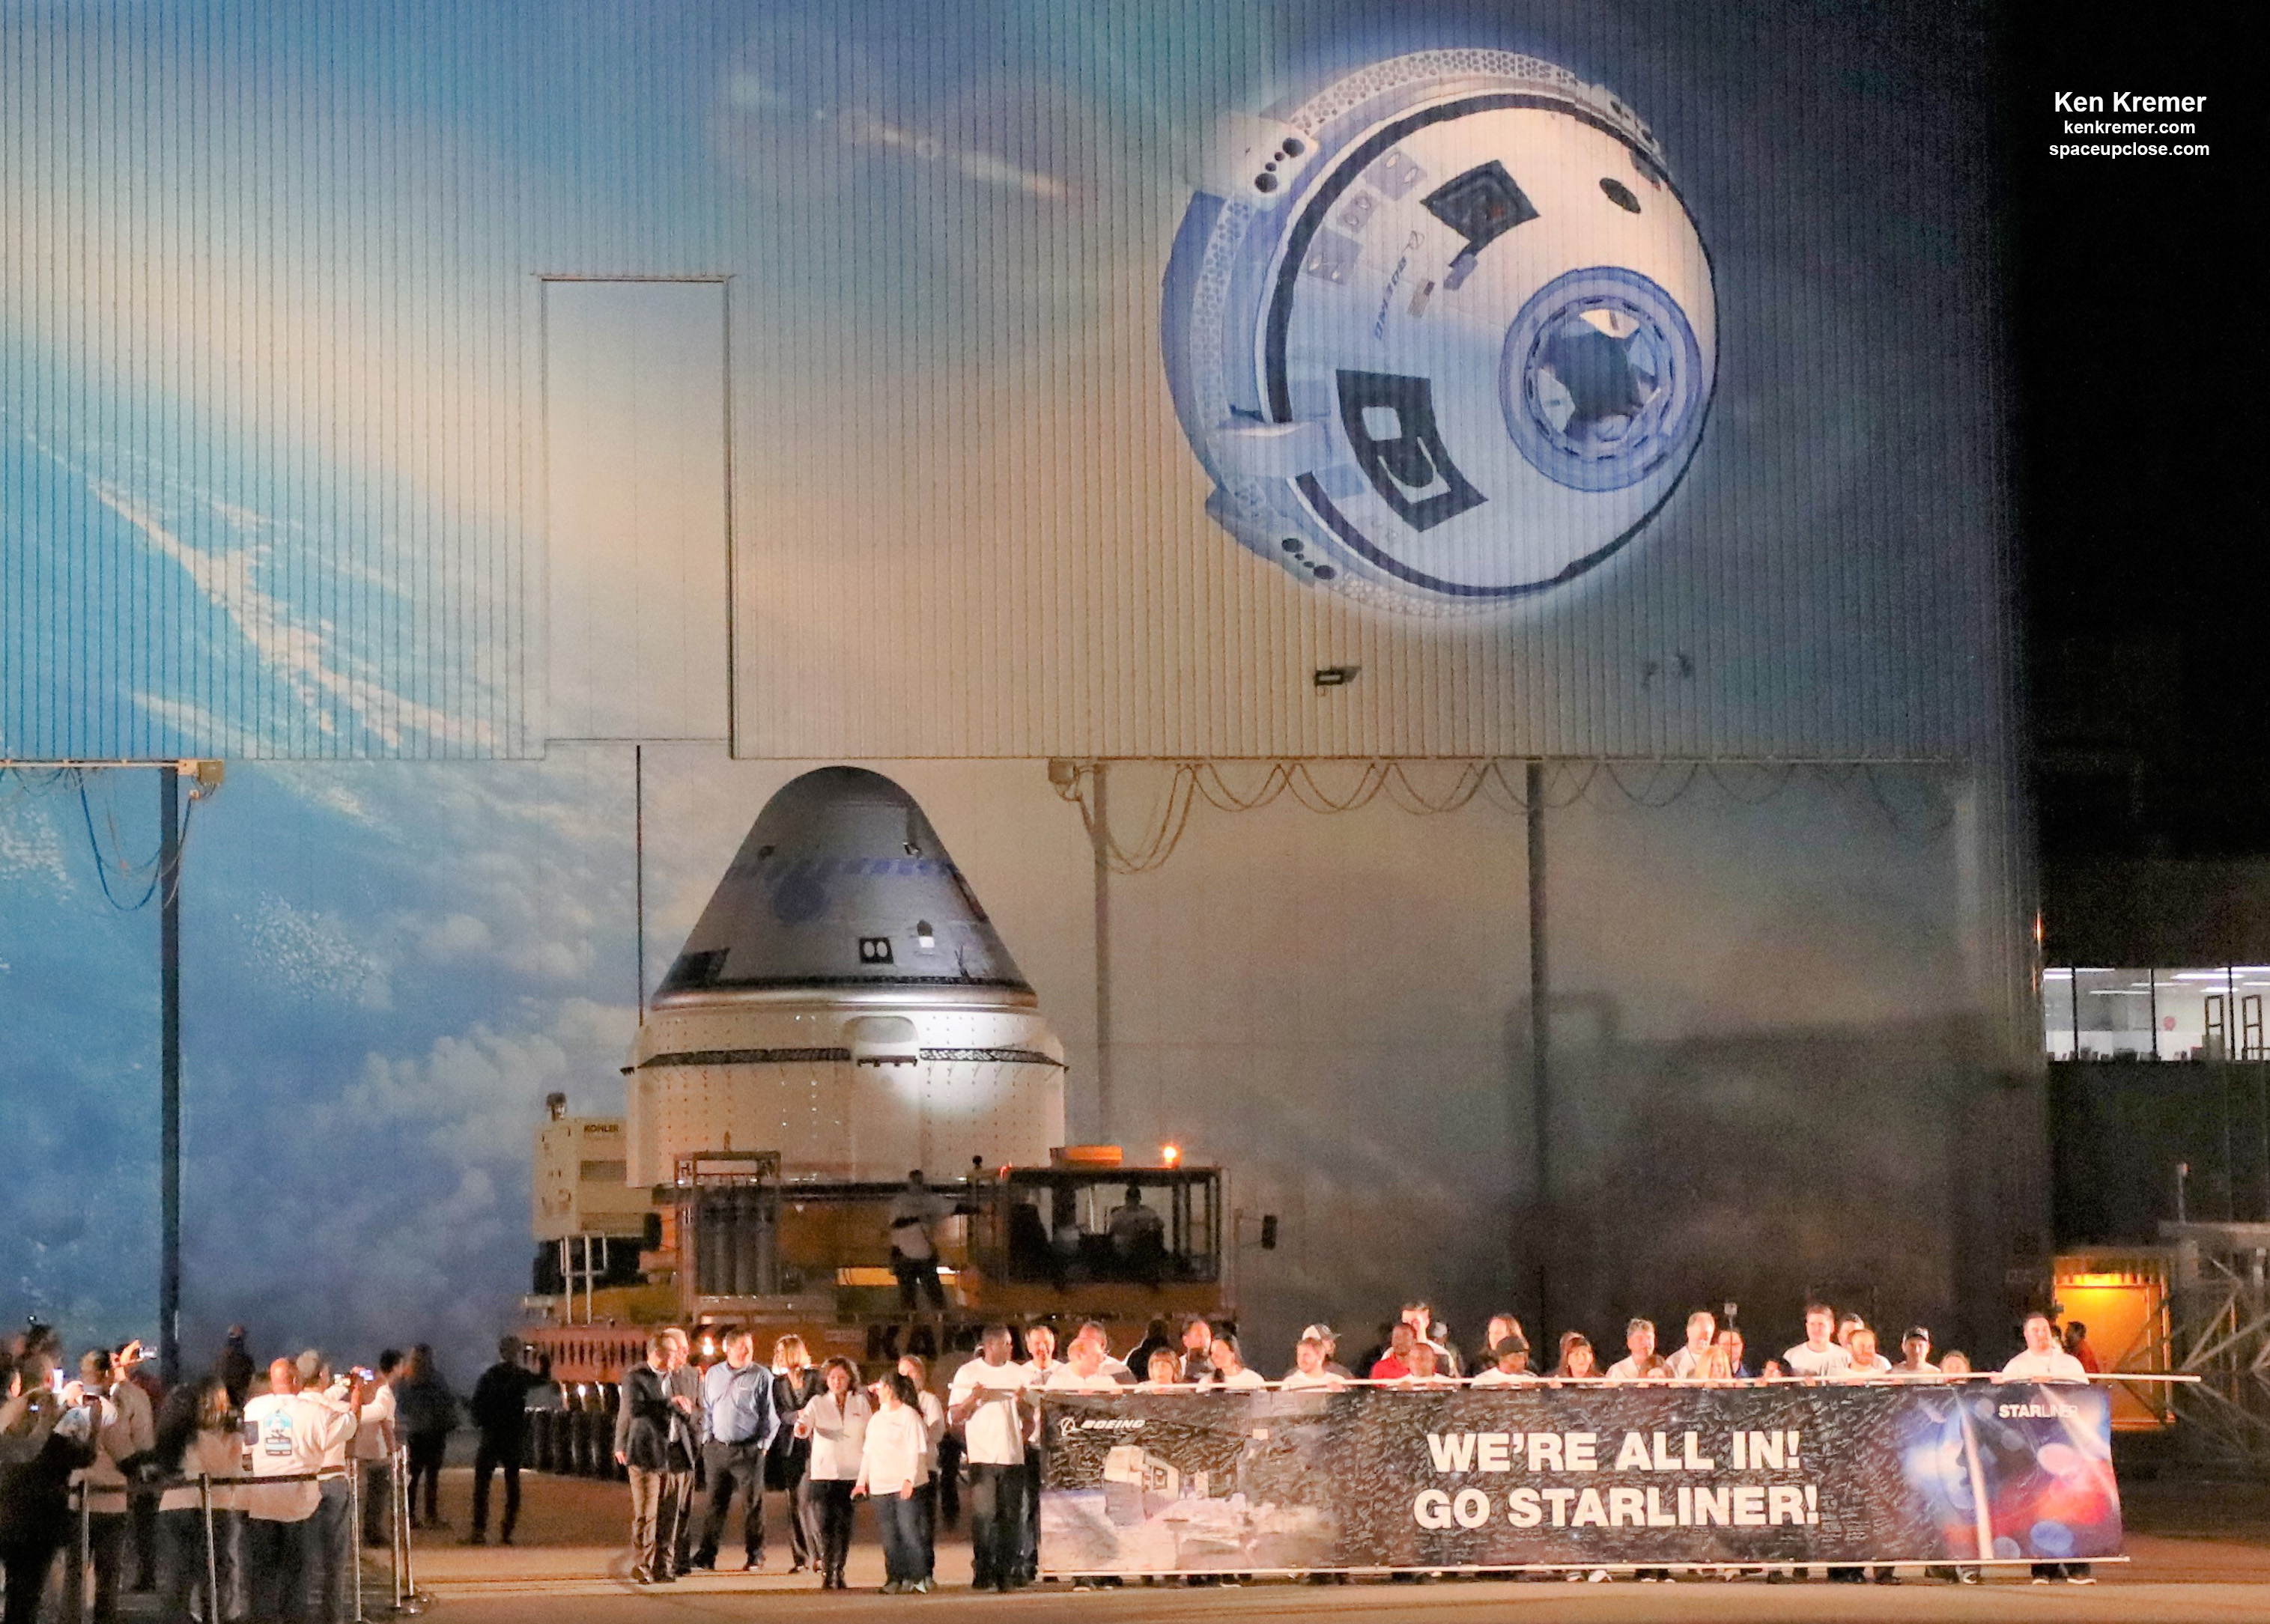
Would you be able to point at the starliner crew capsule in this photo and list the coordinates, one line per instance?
(844, 1001)
(1444, 333)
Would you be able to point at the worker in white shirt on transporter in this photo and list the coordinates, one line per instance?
(987, 1400)
(2043, 1361)
(890, 1471)
(1819, 1354)
(915, 1214)
(1138, 1240)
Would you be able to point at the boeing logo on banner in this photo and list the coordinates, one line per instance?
(1071, 1425)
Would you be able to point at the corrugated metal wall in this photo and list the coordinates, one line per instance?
(273, 483)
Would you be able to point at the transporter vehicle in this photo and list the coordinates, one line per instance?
(731, 1241)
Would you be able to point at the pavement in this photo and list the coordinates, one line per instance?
(2195, 1553)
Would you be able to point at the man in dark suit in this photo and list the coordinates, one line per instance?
(653, 1442)
(500, 1409)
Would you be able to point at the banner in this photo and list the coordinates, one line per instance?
(1595, 1476)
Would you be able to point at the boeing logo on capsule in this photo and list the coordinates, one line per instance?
(1442, 333)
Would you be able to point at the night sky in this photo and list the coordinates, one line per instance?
(2136, 321)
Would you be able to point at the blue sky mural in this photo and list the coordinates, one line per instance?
(272, 486)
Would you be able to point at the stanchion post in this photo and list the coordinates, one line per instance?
(85, 1554)
(412, 1602)
(214, 1612)
(395, 1525)
(354, 1534)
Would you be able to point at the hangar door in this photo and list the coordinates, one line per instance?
(636, 396)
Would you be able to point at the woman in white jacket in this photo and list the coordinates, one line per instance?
(891, 1469)
(835, 1421)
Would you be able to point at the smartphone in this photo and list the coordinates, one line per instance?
(55, 1379)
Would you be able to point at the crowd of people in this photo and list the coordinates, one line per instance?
(824, 1432)
(267, 1456)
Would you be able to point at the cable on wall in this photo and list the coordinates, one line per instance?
(1497, 780)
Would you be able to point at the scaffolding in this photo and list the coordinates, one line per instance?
(2219, 1331)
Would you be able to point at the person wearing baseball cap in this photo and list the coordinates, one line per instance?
(1331, 1339)
(1915, 1352)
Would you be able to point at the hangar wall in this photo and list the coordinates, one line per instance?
(275, 414)
(278, 384)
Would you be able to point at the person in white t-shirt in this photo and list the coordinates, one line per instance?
(1818, 1355)
(915, 1368)
(2041, 1358)
(333, 1407)
(986, 1399)
(912, 1226)
(1230, 1368)
(1040, 1350)
(1639, 1363)
(2043, 1361)
(890, 1470)
(1702, 1329)
(1114, 1367)
(1311, 1357)
(1866, 1363)
(288, 1434)
(1915, 1353)
(1427, 1368)
(374, 1445)
(1084, 1373)
(1041, 1344)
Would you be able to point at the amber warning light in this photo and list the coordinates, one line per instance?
(1171, 1154)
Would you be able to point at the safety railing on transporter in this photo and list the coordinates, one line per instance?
(404, 1598)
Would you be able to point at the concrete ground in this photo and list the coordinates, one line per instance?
(2197, 1553)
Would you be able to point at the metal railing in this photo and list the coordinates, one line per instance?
(405, 1598)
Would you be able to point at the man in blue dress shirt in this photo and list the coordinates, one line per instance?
(737, 1398)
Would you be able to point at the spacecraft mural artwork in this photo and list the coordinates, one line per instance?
(1422, 377)
(522, 442)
